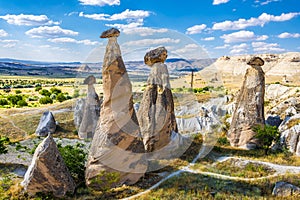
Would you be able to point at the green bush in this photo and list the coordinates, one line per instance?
(53, 96)
(74, 158)
(55, 90)
(45, 92)
(14, 99)
(61, 97)
(4, 141)
(266, 135)
(3, 102)
(45, 100)
(18, 91)
(22, 103)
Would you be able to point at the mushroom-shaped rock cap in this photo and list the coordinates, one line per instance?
(156, 55)
(90, 80)
(256, 61)
(113, 32)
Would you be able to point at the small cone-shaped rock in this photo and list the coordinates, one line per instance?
(117, 151)
(156, 112)
(47, 124)
(91, 111)
(249, 110)
(48, 172)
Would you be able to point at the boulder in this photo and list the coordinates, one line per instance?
(91, 111)
(47, 172)
(156, 112)
(116, 155)
(284, 189)
(273, 120)
(249, 109)
(47, 124)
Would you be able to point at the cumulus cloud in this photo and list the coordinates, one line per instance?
(208, 39)
(125, 15)
(145, 42)
(239, 49)
(28, 20)
(8, 43)
(187, 48)
(49, 32)
(100, 2)
(195, 29)
(264, 47)
(289, 35)
(3, 33)
(242, 36)
(217, 2)
(71, 40)
(260, 21)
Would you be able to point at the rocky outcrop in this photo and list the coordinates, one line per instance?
(156, 111)
(48, 172)
(47, 124)
(290, 133)
(284, 189)
(117, 152)
(91, 111)
(249, 110)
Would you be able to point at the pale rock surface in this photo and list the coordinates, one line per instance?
(47, 172)
(249, 110)
(46, 125)
(284, 189)
(91, 110)
(78, 111)
(117, 148)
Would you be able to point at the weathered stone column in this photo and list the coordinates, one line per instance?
(249, 111)
(156, 112)
(91, 110)
(117, 151)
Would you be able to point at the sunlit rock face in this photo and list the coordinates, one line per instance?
(249, 110)
(117, 151)
(48, 172)
(47, 124)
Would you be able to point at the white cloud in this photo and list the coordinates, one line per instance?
(225, 46)
(9, 43)
(28, 20)
(208, 39)
(266, 2)
(264, 47)
(187, 48)
(145, 42)
(3, 33)
(289, 35)
(217, 2)
(135, 28)
(125, 15)
(50, 32)
(242, 36)
(260, 21)
(239, 49)
(195, 29)
(100, 2)
(71, 40)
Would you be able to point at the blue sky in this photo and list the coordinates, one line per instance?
(61, 30)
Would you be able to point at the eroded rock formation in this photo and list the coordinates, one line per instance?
(47, 172)
(117, 151)
(91, 110)
(47, 124)
(249, 111)
(156, 111)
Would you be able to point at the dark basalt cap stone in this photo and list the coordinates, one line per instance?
(90, 80)
(156, 55)
(256, 61)
(113, 32)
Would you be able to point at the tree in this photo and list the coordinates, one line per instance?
(22, 103)
(266, 135)
(55, 90)
(61, 97)
(45, 92)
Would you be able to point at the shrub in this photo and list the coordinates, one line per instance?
(53, 96)
(4, 141)
(3, 102)
(61, 97)
(38, 88)
(266, 135)
(22, 103)
(14, 99)
(74, 158)
(45, 100)
(18, 91)
(45, 92)
(76, 93)
(55, 90)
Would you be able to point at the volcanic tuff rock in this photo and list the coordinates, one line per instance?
(249, 110)
(78, 111)
(156, 111)
(117, 149)
(48, 172)
(284, 189)
(91, 110)
(47, 124)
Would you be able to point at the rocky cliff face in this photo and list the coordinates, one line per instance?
(117, 149)
(249, 110)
